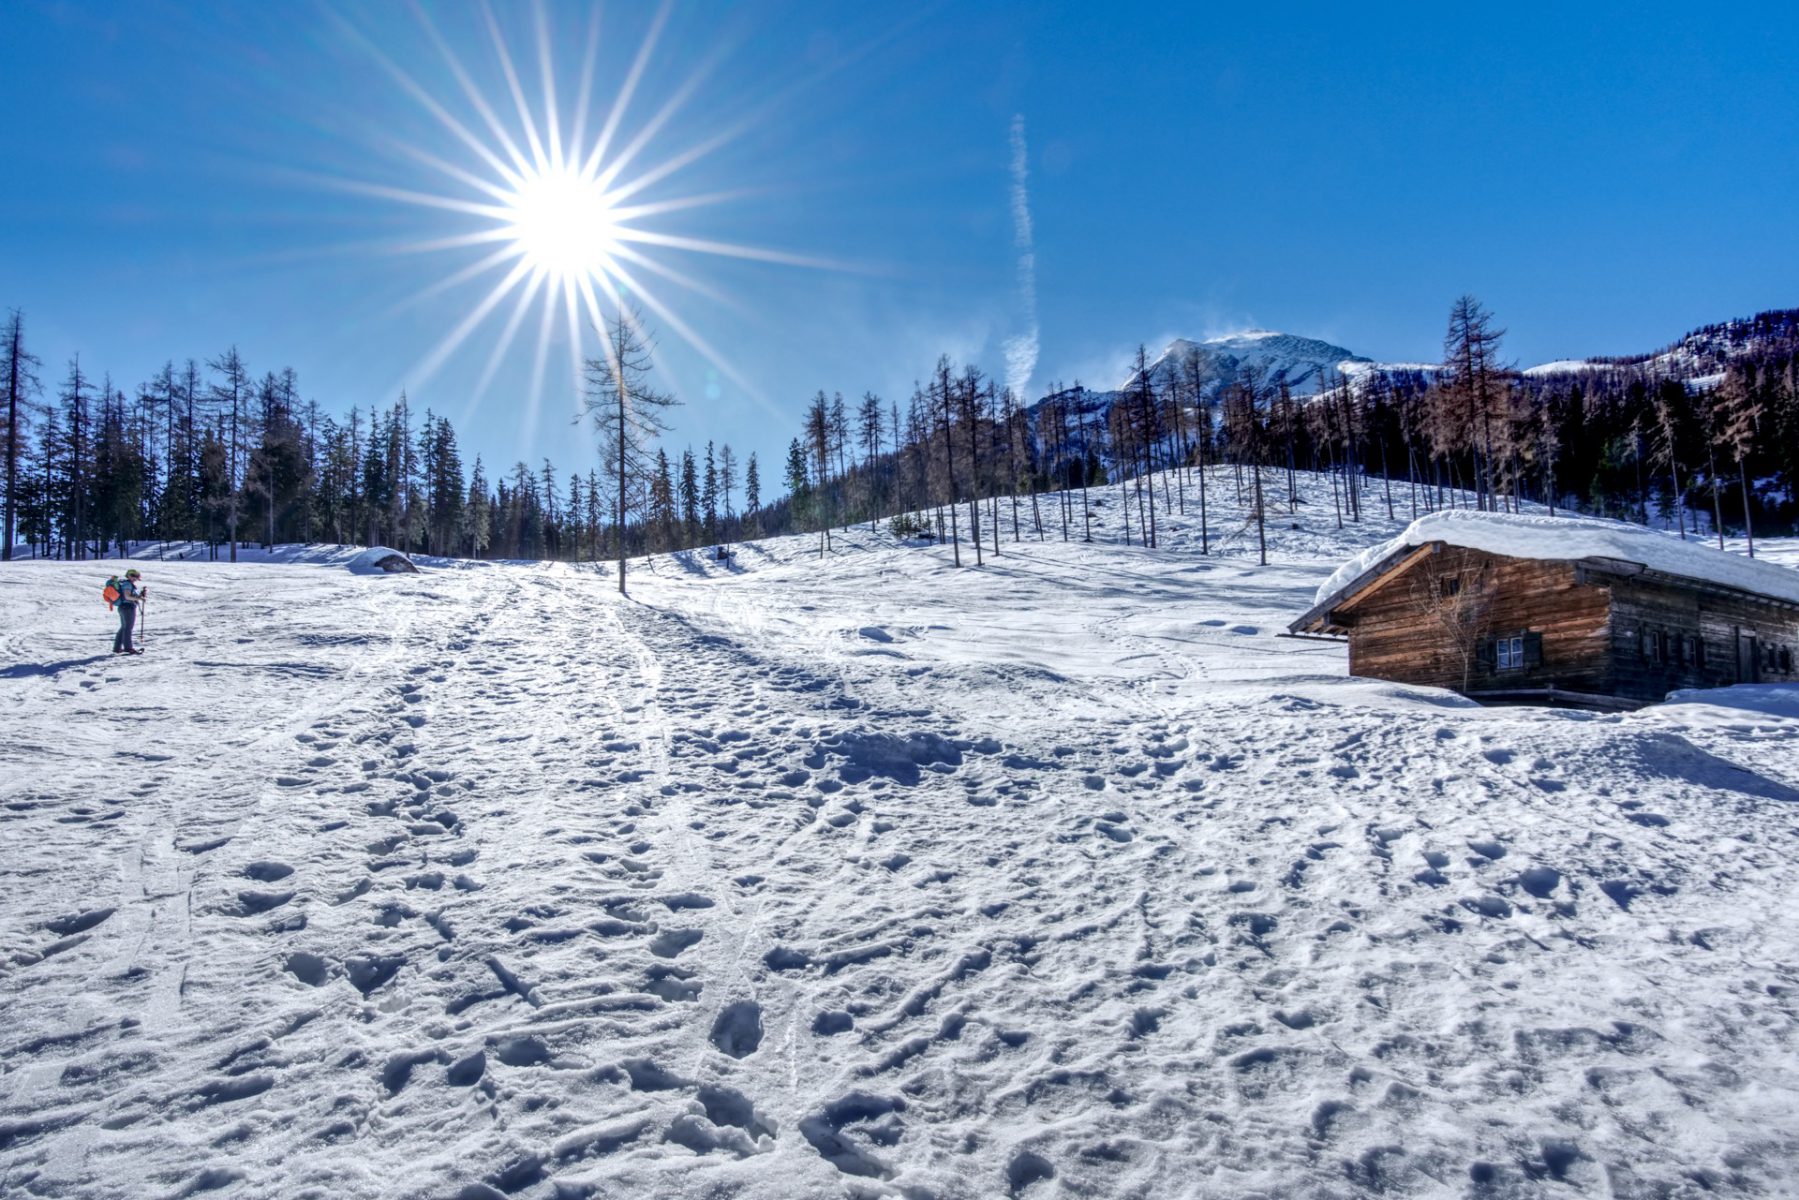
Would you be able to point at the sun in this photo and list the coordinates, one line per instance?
(562, 202)
(562, 223)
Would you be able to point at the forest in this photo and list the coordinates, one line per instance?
(211, 453)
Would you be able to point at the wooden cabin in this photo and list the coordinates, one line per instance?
(1528, 616)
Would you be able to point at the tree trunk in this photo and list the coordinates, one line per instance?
(1748, 525)
(622, 515)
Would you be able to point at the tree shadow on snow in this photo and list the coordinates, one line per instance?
(26, 670)
(705, 563)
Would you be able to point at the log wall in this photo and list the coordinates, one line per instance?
(1408, 630)
(1590, 630)
(1667, 636)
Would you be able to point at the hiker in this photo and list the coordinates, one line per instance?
(131, 594)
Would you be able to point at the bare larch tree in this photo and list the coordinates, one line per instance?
(626, 413)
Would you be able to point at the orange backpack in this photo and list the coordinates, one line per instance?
(111, 593)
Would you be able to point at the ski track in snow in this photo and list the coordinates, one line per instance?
(866, 877)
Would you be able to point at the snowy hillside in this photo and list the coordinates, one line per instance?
(867, 877)
(1699, 356)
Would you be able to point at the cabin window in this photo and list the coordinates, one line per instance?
(1656, 646)
(1450, 586)
(1510, 653)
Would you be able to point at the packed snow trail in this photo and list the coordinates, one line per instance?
(864, 877)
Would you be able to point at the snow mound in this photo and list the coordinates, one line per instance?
(1768, 699)
(1567, 538)
(379, 560)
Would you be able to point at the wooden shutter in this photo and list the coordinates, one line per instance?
(1483, 654)
(1533, 651)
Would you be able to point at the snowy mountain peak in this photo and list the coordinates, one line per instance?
(1301, 363)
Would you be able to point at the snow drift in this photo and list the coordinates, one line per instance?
(379, 560)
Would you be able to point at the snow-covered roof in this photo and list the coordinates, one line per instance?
(1572, 538)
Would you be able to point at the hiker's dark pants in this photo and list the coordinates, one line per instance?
(121, 641)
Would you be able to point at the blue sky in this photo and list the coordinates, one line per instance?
(179, 178)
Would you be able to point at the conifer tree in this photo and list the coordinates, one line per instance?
(752, 494)
(77, 413)
(868, 419)
(690, 500)
(818, 438)
(19, 382)
(230, 392)
(727, 479)
(799, 487)
(662, 514)
(478, 514)
(840, 437)
(596, 517)
(1470, 385)
(709, 495)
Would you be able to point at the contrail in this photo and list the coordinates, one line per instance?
(1021, 351)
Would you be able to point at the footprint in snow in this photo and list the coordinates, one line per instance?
(726, 1106)
(254, 903)
(672, 942)
(78, 922)
(309, 969)
(1025, 1169)
(737, 1031)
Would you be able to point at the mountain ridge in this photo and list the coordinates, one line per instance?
(1305, 364)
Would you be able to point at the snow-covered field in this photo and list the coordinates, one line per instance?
(1063, 877)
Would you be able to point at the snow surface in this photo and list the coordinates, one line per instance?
(867, 876)
(1534, 536)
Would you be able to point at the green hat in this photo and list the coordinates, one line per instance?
(133, 573)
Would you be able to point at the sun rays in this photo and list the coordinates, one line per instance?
(565, 210)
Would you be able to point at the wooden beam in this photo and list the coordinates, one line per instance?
(1555, 695)
(1318, 617)
(1387, 576)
